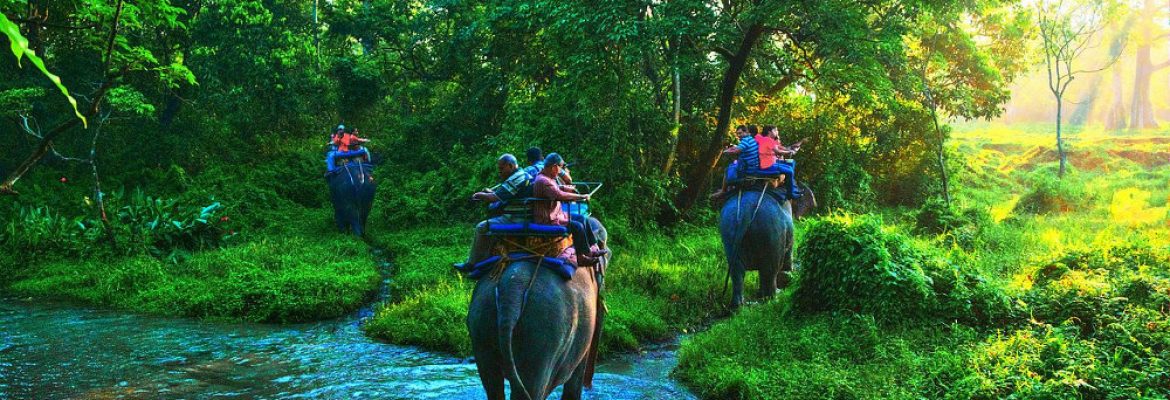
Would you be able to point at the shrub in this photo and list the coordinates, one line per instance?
(851, 263)
(172, 229)
(1050, 194)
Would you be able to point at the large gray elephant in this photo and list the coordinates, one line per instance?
(538, 334)
(757, 230)
(351, 188)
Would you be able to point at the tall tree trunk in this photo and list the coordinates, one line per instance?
(698, 177)
(1142, 114)
(677, 128)
(1115, 119)
(1059, 138)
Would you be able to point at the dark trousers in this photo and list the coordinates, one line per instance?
(789, 172)
(580, 238)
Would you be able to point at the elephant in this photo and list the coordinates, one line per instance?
(537, 332)
(756, 229)
(351, 188)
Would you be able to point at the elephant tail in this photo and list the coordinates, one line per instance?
(508, 316)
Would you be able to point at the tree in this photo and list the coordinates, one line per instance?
(1067, 29)
(1142, 109)
(961, 77)
(107, 45)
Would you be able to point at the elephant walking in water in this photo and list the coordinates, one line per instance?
(351, 188)
(538, 334)
(757, 233)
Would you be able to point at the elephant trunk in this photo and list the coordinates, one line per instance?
(509, 306)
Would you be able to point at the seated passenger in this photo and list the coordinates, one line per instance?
(551, 213)
(536, 163)
(770, 150)
(333, 139)
(749, 158)
(514, 185)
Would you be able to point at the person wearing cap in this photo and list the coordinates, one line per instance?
(551, 212)
(536, 163)
(515, 185)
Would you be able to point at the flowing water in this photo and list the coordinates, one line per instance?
(53, 351)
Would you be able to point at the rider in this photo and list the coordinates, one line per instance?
(333, 138)
(551, 212)
(536, 163)
(749, 158)
(515, 184)
(770, 149)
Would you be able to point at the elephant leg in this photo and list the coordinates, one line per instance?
(737, 273)
(768, 281)
(576, 384)
(783, 278)
(339, 219)
(358, 229)
(492, 378)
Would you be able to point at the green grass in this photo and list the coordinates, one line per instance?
(283, 263)
(1083, 261)
(656, 286)
(289, 279)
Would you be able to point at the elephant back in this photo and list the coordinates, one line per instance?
(754, 223)
(353, 175)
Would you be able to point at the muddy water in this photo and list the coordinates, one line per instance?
(55, 351)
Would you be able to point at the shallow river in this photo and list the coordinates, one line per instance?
(54, 351)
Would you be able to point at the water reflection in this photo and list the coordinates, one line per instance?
(61, 351)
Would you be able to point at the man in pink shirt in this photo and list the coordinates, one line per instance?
(551, 213)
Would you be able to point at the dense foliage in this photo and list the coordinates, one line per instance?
(198, 168)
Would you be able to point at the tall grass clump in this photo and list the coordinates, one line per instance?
(260, 281)
(855, 263)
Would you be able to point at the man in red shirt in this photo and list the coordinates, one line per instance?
(770, 149)
(551, 213)
(348, 140)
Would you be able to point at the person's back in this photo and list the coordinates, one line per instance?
(749, 152)
(767, 151)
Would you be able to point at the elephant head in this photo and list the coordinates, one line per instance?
(351, 188)
(536, 330)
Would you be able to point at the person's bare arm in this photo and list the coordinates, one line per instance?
(485, 196)
(554, 192)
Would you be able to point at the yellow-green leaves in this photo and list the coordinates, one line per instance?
(20, 49)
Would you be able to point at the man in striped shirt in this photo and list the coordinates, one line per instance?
(516, 186)
(749, 158)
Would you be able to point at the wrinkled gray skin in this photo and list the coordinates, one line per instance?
(351, 188)
(548, 345)
(765, 244)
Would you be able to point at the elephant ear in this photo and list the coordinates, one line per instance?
(805, 204)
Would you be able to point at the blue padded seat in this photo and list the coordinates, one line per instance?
(562, 268)
(527, 229)
(763, 172)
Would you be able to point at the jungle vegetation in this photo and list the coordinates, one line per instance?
(180, 158)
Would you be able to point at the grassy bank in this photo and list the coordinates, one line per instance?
(656, 286)
(1063, 292)
(253, 244)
